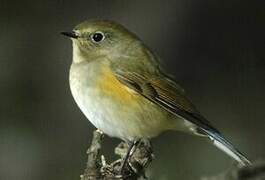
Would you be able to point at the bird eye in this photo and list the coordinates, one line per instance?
(97, 37)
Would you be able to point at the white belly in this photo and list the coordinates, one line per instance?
(97, 108)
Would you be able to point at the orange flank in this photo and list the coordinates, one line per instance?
(112, 87)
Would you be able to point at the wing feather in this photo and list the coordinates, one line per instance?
(171, 97)
(166, 94)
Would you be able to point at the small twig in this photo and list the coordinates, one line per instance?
(253, 172)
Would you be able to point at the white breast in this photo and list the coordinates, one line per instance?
(101, 111)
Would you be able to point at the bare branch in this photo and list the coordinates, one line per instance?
(92, 170)
(98, 168)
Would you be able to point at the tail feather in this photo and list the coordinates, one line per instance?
(205, 128)
(224, 145)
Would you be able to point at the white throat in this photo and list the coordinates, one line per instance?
(77, 57)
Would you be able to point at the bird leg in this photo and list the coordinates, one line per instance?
(131, 149)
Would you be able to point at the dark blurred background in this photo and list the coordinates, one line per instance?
(215, 48)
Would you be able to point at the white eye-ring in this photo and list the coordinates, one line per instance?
(97, 37)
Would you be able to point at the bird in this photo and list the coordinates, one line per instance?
(120, 86)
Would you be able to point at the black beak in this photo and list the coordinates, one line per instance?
(71, 34)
